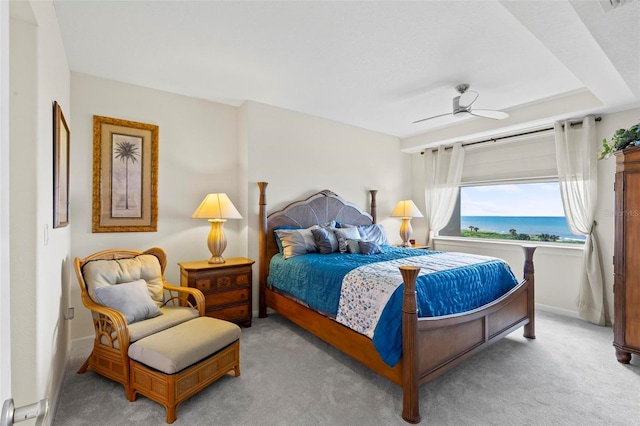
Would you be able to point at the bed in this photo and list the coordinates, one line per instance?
(429, 345)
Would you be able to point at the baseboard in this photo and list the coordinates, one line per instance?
(53, 403)
(80, 348)
(559, 311)
(55, 398)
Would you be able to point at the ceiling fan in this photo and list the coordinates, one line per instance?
(462, 106)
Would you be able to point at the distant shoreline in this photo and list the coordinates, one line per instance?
(531, 237)
(521, 228)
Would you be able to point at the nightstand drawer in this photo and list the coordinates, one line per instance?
(220, 282)
(226, 297)
(233, 313)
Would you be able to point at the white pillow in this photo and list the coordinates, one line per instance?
(374, 232)
(131, 299)
(297, 241)
(344, 234)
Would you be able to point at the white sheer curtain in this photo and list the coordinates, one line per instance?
(443, 171)
(576, 155)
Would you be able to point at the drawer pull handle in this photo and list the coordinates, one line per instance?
(203, 284)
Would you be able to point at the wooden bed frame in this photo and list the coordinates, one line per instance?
(432, 345)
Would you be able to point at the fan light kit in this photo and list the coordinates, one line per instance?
(462, 106)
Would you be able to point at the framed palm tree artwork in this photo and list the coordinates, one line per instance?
(125, 176)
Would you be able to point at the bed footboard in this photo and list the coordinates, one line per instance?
(431, 346)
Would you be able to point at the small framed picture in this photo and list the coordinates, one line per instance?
(61, 140)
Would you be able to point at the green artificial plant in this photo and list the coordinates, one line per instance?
(621, 139)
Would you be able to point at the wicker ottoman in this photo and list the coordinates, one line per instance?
(172, 365)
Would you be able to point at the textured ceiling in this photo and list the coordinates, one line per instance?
(376, 65)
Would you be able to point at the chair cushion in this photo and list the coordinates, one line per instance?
(171, 316)
(176, 348)
(102, 273)
(131, 299)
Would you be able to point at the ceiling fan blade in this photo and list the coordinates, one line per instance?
(429, 118)
(467, 98)
(489, 113)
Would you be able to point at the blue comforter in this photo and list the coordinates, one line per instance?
(316, 280)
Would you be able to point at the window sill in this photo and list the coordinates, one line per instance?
(466, 241)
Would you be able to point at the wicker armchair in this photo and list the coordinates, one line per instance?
(112, 332)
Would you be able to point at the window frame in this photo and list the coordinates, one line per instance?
(454, 229)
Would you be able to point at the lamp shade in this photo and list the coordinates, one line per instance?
(406, 208)
(216, 206)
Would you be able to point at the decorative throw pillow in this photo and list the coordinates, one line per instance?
(343, 234)
(297, 241)
(374, 232)
(369, 247)
(278, 241)
(353, 247)
(331, 224)
(325, 240)
(343, 225)
(131, 299)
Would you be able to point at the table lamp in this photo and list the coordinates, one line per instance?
(217, 208)
(406, 210)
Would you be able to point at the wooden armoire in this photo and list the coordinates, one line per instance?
(626, 259)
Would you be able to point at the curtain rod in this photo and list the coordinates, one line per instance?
(531, 132)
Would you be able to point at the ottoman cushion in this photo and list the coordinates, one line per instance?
(178, 347)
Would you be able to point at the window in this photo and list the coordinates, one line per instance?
(509, 190)
(513, 211)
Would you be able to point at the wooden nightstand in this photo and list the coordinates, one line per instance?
(226, 287)
(415, 246)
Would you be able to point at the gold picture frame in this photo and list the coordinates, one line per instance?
(125, 176)
(61, 139)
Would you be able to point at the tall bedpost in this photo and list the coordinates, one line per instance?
(373, 210)
(530, 329)
(262, 243)
(410, 406)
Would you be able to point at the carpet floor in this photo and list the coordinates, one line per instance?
(567, 376)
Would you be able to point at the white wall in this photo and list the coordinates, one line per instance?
(198, 154)
(39, 255)
(557, 269)
(299, 155)
(22, 148)
(5, 315)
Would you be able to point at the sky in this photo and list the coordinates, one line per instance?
(527, 199)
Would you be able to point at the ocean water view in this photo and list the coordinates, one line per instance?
(532, 225)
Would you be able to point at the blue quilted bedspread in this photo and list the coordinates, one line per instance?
(316, 279)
